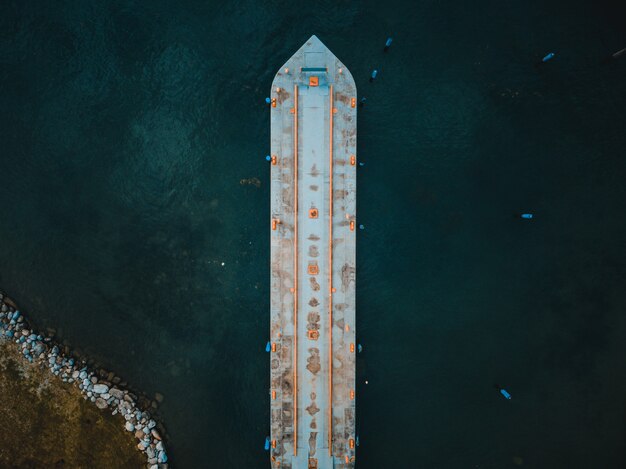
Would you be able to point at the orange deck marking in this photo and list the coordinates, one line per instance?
(295, 271)
(330, 279)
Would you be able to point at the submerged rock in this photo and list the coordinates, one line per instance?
(116, 393)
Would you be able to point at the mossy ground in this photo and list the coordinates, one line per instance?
(45, 422)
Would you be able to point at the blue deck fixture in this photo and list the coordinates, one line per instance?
(505, 393)
(549, 56)
(527, 216)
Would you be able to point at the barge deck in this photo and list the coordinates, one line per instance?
(313, 262)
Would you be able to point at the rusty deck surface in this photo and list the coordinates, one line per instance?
(313, 262)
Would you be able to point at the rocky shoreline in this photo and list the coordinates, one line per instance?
(103, 388)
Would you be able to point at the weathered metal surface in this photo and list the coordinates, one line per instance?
(313, 263)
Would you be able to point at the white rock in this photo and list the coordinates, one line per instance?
(100, 388)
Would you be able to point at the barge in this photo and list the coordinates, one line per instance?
(313, 106)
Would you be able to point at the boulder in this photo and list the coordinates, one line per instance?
(100, 388)
(116, 393)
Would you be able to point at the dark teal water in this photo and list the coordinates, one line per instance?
(126, 127)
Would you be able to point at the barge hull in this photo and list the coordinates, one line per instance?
(313, 262)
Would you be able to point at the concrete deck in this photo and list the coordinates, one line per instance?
(313, 227)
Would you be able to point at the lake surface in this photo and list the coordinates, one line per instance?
(126, 128)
